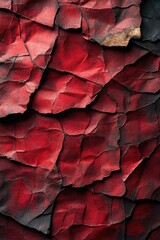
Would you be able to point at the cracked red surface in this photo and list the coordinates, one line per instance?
(23, 60)
(80, 120)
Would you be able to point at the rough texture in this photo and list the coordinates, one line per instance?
(79, 120)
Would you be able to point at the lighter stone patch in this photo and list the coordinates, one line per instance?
(121, 39)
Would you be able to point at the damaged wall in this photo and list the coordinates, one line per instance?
(79, 120)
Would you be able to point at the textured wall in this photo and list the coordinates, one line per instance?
(79, 120)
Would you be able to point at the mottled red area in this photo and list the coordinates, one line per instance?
(90, 150)
(5, 4)
(68, 16)
(112, 186)
(27, 193)
(143, 76)
(145, 218)
(86, 64)
(83, 208)
(116, 59)
(79, 121)
(144, 180)
(63, 91)
(145, 121)
(114, 97)
(23, 59)
(40, 11)
(35, 141)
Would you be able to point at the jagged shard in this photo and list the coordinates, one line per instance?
(79, 120)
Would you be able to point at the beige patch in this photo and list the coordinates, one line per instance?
(121, 39)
